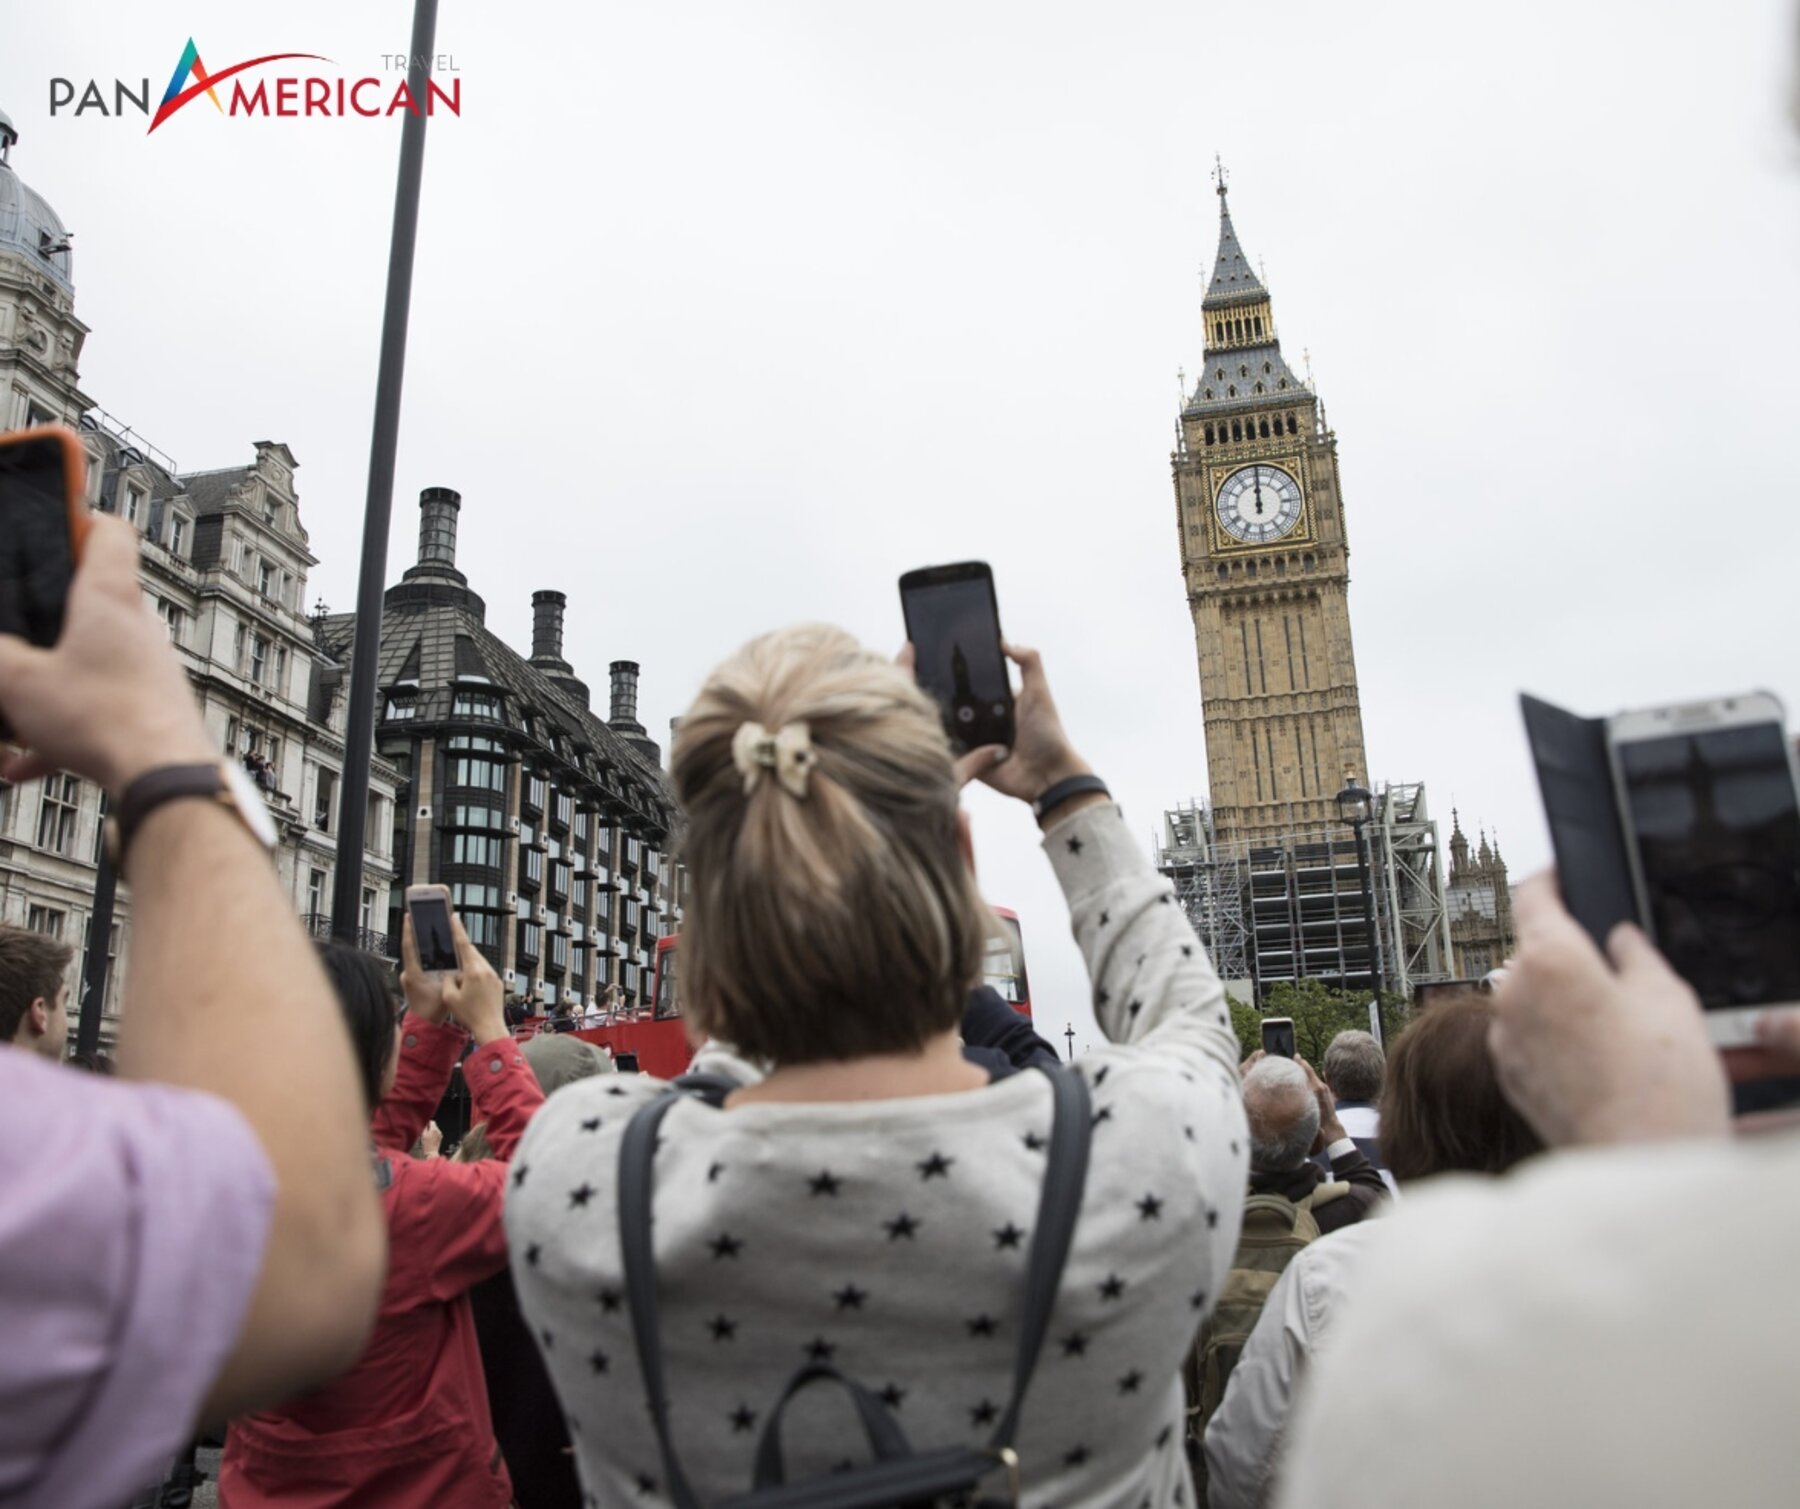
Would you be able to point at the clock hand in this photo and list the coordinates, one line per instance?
(1256, 482)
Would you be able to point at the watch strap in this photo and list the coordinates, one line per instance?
(1076, 785)
(165, 783)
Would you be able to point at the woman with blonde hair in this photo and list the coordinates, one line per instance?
(864, 1201)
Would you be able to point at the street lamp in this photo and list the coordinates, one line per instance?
(1353, 806)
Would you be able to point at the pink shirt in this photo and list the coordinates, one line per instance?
(132, 1223)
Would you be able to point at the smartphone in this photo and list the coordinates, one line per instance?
(953, 622)
(43, 520)
(429, 908)
(1278, 1036)
(626, 1063)
(1709, 799)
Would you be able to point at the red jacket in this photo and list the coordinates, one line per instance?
(408, 1427)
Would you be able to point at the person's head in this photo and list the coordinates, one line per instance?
(370, 998)
(1355, 1067)
(831, 913)
(559, 1061)
(34, 991)
(1442, 1110)
(1283, 1113)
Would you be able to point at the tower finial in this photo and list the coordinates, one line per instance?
(1219, 174)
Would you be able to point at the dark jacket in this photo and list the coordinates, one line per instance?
(1001, 1039)
(1366, 1188)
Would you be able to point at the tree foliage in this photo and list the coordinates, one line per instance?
(1320, 1014)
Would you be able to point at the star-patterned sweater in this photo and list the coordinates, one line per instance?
(890, 1239)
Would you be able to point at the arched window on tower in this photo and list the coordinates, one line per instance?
(1209, 434)
(1231, 392)
(1293, 429)
(1261, 389)
(1265, 423)
(1257, 322)
(1237, 430)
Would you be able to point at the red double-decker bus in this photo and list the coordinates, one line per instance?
(655, 1040)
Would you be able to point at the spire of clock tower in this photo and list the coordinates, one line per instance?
(1234, 280)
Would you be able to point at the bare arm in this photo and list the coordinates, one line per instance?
(225, 993)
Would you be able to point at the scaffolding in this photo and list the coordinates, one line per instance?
(1291, 907)
(1211, 890)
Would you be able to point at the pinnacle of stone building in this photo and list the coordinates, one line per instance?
(1234, 280)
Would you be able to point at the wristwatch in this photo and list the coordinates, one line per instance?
(218, 781)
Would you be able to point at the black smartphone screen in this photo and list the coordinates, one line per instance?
(431, 933)
(1278, 1039)
(953, 622)
(37, 559)
(1716, 823)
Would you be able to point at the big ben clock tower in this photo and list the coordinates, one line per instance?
(1266, 568)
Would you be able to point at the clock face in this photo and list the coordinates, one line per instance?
(1259, 503)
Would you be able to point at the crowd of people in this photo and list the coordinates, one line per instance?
(881, 1248)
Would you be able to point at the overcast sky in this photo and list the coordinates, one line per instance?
(728, 313)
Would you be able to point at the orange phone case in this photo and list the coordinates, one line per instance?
(74, 458)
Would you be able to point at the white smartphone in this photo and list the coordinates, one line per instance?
(429, 908)
(1709, 798)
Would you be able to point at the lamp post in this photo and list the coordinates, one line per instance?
(1069, 1033)
(1353, 806)
(371, 582)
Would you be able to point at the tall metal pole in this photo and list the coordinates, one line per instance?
(359, 738)
(1362, 867)
(1069, 1033)
(94, 965)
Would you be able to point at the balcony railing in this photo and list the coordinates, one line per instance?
(382, 945)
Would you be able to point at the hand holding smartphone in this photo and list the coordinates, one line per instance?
(445, 973)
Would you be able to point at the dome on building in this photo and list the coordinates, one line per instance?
(28, 226)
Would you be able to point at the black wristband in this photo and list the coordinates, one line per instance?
(1075, 785)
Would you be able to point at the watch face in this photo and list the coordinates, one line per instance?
(1259, 503)
(250, 804)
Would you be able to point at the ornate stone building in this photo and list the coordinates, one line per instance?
(224, 564)
(1480, 906)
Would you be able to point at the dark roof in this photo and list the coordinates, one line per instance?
(1226, 370)
(211, 491)
(433, 638)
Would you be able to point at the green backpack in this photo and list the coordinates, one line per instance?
(1275, 1229)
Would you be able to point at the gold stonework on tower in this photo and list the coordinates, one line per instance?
(1265, 563)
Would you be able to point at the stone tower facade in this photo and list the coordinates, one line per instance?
(1265, 562)
(1479, 902)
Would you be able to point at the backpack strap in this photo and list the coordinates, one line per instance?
(1065, 1175)
(1324, 1194)
(1059, 1204)
(636, 1150)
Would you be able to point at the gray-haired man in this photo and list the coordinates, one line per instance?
(1292, 1115)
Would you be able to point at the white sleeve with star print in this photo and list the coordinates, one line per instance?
(890, 1239)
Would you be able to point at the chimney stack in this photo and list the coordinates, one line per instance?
(438, 507)
(547, 626)
(624, 697)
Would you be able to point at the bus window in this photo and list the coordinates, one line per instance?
(667, 1003)
(1003, 964)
